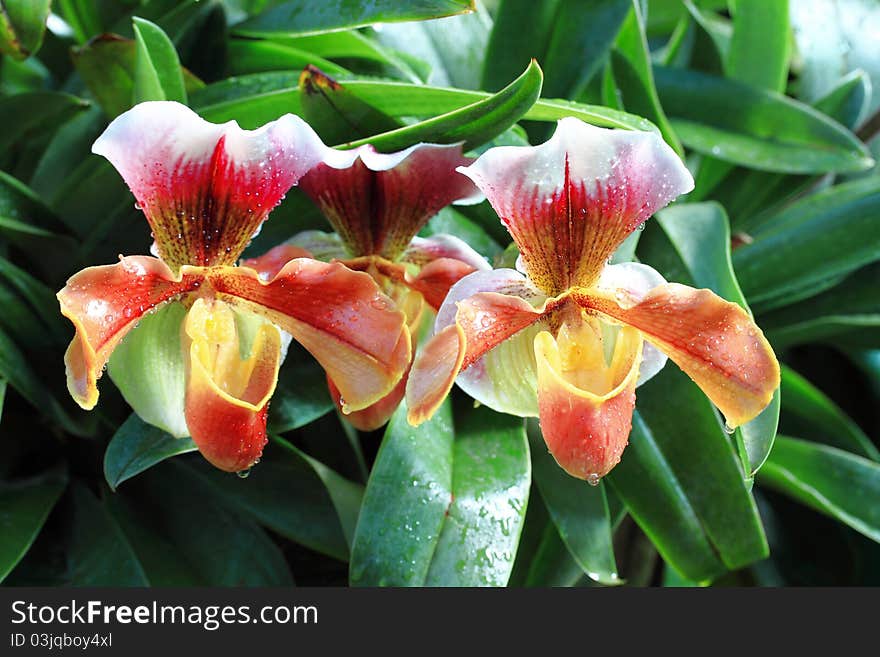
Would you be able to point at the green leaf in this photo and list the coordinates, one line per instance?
(458, 498)
(851, 305)
(579, 512)
(760, 47)
(223, 546)
(683, 484)
(23, 116)
(22, 25)
(296, 17)
(699, 238)
(301, 396)
(107, 65)
(137, 446)
(553, 563)
(26, 505)
(293, 495)
(255, 99)
(819, 418)
(839, 484)
(755, 128)
(248, 56)
(631, 61)
(157, 71)
(583, 33)
(811, 244)
(335, 113)
(474, 124)
(99, 553)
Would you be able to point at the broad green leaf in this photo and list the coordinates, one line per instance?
(458, 497)
(635, 77)
(39, 299)
(760, 47)
(579, 512)
(699, 238)
(291, 494)
(296, 17)
(137, 446)
(818, 418)
(831, 316)
(829, 480)
(718, 30)
(335, 113)
(83, 17)
(99, 552)
(683, 483)
(521, 32)
(22, 24)
(811, 244)
(223, 546)
(256, 99)
(473, 124)
(490, 487)
(25, 115)
(755, 128)
(249, 56)
(157, 71)
(25, 506)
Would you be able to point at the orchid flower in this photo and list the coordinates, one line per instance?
(376, 204)
(203, 344)
(570, 337)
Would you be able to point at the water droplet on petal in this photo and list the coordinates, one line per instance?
(728, 429)
(593, 479)
(243, 474)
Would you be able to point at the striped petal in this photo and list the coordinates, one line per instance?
(571, 201)
(227, 396)
(272, 261)
(378, 202)
(481, 322)
(105, 303)
(206, 188)
(338, 315)
(585, 405)
(714, 341)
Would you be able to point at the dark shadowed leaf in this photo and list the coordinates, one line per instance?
(24, 507)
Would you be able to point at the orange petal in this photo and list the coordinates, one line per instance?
(571, 201)
(482, 322)
(377, 414)
(714, 341)
(272, 261)
(226, 396)
(206, 188)
(585, 406)
(378, 202)
(338, 315)
(104, 303)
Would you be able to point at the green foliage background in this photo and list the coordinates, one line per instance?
(772, 108)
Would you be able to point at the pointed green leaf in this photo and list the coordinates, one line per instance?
(157, 71)
(839, 484)
(137, 446)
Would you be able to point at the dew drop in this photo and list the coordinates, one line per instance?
(593, 479)
(243, 474)
(728, 429)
